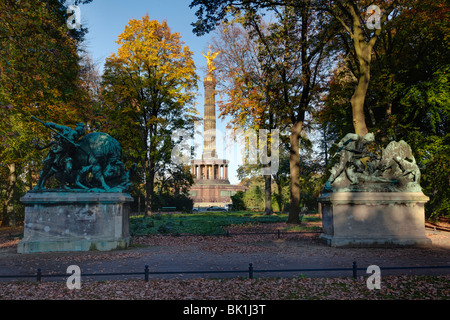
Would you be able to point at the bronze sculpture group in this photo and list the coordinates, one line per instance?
(82, 162)
(394, 169)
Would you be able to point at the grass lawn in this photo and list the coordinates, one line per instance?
(202, 223)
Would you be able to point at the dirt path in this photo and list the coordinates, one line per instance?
(265, 252)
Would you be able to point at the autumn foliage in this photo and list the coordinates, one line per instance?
(148, 90)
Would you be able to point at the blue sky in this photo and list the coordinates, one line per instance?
(106, 19)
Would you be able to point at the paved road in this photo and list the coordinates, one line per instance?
(181, 254)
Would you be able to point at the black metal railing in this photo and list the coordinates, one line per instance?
(250, 271)
(227, 233)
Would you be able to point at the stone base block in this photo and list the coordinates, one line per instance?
(75, 221)
(374, 219)
(70, 245)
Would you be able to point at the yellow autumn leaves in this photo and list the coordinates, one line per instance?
(149, 89)
(149, 48)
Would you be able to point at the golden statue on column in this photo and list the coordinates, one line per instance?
(210, 59)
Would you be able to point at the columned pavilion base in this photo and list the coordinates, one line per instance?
(211, 185)
(213, 194)
(75, 221)
(374, 219)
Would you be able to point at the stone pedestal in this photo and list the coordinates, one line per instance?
(75, 221)
(374, 219)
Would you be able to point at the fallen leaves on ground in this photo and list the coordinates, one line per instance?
(441, 224)
(243, 238)
(9, 243)
(392, 287)
(10, 236)
(299, 288)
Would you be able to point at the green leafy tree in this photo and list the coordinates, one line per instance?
(408, 97)
(238, 201)
(39, 75)
(394, 75)
(359, 37)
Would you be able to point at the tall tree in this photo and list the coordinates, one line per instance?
(39, 75)
(359, 35)
(247, 87)
(148, 88)
(408, 97)
(294, 49)
(363, 29)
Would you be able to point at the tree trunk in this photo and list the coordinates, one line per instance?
(149, 188)
(139, 205)
(268, 210)
(9, 217)
(358, 98)
(149, 170)
(279, 197)
(149, 180)
(294, 165)
(268, 195)
(363, 52)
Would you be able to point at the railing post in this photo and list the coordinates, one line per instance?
(355, 270)
(250, 270)
(146, 273)
(39, 275)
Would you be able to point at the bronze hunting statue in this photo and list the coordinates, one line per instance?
(89, 162)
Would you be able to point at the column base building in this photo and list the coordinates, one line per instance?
(211, 185)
